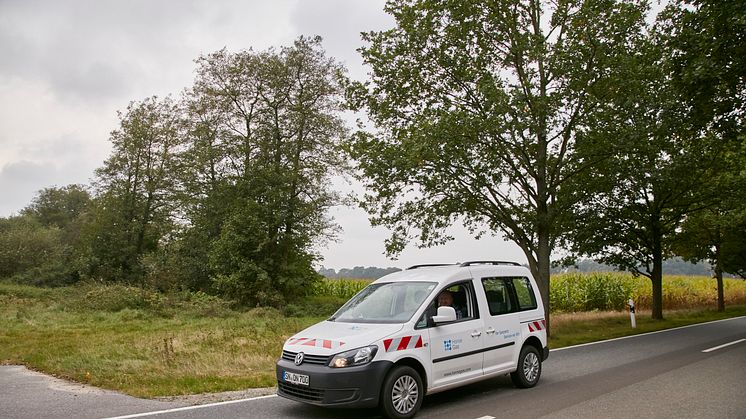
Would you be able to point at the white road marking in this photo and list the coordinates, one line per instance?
(724, 345)
(181, 409)
(486, 417)
(645, 334)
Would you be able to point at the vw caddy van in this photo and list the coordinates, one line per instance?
(417, 332)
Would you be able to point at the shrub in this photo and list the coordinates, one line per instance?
(314, 306)
(119, 297)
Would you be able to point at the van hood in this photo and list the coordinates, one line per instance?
(328, 338)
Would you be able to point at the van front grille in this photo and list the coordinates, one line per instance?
(307, 359)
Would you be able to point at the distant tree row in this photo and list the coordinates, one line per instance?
(358, 272)
(673, 266)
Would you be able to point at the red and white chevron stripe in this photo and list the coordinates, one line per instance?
(402, 343)
(318, 343)
(536, 326)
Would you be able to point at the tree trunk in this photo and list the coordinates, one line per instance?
(719, 277)
(657, 278)
(543, 273)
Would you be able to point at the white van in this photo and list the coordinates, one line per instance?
(420, 331)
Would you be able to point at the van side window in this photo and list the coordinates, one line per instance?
(462, 299)
(498, 297)
(525, 294)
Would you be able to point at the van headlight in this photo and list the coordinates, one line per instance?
(354, 357)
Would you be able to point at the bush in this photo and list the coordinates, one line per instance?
(119, 297)
(314, 306)
(202, 304)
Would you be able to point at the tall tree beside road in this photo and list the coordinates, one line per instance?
(478, 108)
(659, 169)
(134, 203)
(707, 43)
(264, 135)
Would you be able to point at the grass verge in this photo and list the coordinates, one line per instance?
(575, 328)
(150, 345)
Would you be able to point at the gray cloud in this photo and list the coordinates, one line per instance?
(340, 23)
(19, 181)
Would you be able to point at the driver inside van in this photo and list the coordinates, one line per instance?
(445, 298)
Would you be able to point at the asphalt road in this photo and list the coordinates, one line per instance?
(660, 375)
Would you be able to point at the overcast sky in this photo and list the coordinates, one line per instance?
(66, 67)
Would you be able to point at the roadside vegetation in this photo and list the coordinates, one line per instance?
(150, 344)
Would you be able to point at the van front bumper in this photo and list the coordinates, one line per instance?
(339, 387)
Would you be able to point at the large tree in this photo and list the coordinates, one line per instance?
(134, 206)
(264, 129)
(706, 42)
(658, 168)
(477, 109)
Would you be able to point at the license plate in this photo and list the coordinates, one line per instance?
(294, 378)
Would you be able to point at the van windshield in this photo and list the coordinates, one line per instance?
(388, 302)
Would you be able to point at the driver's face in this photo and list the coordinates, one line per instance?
(445, 299)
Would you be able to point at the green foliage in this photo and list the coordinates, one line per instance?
(708, 55)
(264, 131)
(132, 211)
(650, 177)
(33, 254)
(370, 272)
(315, 306)
(595, 291)
(478, 107)
(708, 47)
(59, 207)
(117, 297)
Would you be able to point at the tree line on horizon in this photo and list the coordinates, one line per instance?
(672, 266)
(575, 125)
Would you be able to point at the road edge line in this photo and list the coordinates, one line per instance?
(198, 406)
(645, 334)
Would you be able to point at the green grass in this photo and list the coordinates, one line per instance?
(148, 344)
(144, 352)
(576, 328)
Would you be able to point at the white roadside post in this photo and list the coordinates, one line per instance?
(632, 313)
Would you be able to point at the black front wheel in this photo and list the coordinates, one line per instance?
(402, 393)
(529, 368)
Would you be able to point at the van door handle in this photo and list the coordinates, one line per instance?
(490, 331)
(476, 334)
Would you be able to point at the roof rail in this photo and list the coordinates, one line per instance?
(430, 265)
(489, 262)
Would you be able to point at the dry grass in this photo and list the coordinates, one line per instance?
(575, 328)
(141, 353)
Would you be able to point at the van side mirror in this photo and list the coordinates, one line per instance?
(445, 314)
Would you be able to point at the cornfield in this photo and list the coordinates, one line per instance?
(575, 292)
(339, 288)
